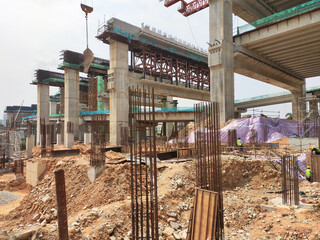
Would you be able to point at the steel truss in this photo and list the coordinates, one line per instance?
(178, 70)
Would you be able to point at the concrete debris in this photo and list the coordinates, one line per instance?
(102, 209)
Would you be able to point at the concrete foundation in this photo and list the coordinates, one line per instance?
(34, 171)
(29, 146)
(220, 58)
(94, 172)
(118, 90)
(71, 105)
(42, 107)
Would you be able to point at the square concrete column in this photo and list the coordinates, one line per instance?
(298, 105)
(42, 107)
(53, 107)
(118, 91)
(220, 58)
(313, 109)
(71, 105)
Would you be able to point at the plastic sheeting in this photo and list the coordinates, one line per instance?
(302, 164)
(275, 129)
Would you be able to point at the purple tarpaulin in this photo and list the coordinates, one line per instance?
(275, 128)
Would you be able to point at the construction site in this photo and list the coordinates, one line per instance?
(111, 154)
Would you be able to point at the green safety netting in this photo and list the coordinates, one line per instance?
(305, 7)
(100, 89)
(77, 66)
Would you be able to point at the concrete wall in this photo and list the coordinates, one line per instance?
(34, 170)
(306, 143)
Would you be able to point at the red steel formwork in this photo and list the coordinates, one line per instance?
(187, 9)
(179, 70)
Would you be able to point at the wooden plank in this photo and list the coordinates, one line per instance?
(204, 216)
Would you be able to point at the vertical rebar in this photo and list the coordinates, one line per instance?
(143, 169)
(61, 204)
(208, 153)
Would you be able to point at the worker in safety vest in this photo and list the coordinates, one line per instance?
(239, 144)
(314, 150)
(309, 174)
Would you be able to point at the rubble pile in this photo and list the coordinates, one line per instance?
(102, 210)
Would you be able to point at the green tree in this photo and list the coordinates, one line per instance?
(289, 116)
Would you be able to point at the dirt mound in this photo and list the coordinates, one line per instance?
(14, 185)
(237, 172)
(111, 186)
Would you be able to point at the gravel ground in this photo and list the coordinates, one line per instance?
(7, 197)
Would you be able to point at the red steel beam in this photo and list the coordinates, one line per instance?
(168, 3)
(194, 6)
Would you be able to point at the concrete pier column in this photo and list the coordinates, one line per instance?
(61, 100)
(220, 58)
(29, 141)
(313, 109)
(53, 107)
(71, 105)
(118, 91)
(298, 106)
(42, 107)
(169, 102)
(59, 133)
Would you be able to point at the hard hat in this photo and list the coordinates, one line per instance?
(310, 148)
(308, 167)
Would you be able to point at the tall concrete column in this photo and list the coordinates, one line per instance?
(118, 90)
(313, 109)
(71, 105)
(53, 107)
(169, 102)
(220, 58)
(29, 141)
(42, 107)
(298, 107)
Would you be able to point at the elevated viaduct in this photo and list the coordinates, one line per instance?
(280, 51)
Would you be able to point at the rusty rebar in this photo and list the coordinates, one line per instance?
(61, 204)
(208, 156)
(98, 141)
(142, 138)
(290, 180)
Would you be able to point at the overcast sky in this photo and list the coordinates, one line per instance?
(33, 32)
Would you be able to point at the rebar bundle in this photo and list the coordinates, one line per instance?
(290, 180)
(19, 164)
(144, 198)
(93, 95)
(208, 156)
(98, 140)
(232, 138)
